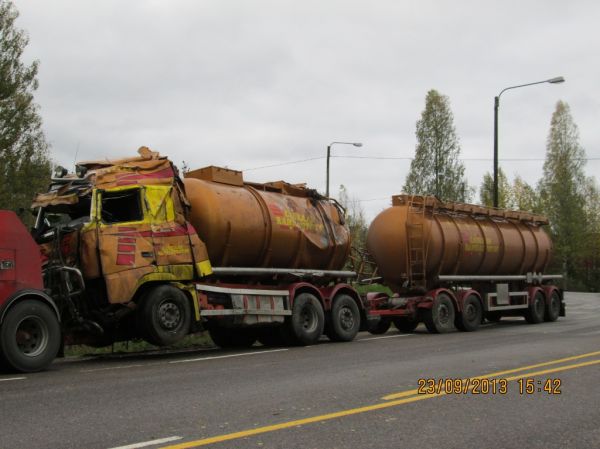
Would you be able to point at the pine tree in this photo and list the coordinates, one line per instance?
(562, 192)
(435, 169)
(24, 163)
(486, 191)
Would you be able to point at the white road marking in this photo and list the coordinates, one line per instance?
(6, 379)
(148, 443)
(385, 336)
(110, 368)
(201, 359)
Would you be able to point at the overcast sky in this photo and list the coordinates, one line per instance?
(248, 84)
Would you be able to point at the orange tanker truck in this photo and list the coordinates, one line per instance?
(452, 265)
(126, 249)
(129, 250)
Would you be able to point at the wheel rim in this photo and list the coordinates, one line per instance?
(443, 314)
(169, 315)
(346, 318)
(309, 319)
(32, 336)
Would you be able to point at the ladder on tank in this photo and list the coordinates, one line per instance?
(415, 236)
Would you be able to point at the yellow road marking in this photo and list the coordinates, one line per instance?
(392, 403)
(501, 373)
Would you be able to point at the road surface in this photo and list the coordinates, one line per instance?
(359, 395)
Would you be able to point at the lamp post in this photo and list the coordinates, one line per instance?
(556, 80)
(356, 144)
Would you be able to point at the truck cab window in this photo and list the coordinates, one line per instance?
(121, 206)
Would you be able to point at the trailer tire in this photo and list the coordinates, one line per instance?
(232, 338)
(307, 322)
(30, 336)
(470, 317)
(406, 325)
(553, 307)
(379, 327)
(165, 315)
(537, 309)
(440, 318)
(345, 319)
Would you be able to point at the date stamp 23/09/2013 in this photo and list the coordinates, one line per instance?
(526, 386)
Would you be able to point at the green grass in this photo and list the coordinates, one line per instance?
(199, 340)
(364, 289)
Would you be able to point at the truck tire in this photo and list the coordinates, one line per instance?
(440, 318)
(30, 336)
(379, 327)
(470, 317)
(537, 309)
(406, 325)
(345, 319)
(553, 307)
(232, 338)
(165, 315)
(306, 324)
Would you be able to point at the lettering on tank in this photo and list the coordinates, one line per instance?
(477, 244)
(290, 219)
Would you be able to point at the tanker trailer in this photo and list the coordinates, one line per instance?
(277, 251)
(452, 264)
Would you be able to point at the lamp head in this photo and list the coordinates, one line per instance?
(557, 80)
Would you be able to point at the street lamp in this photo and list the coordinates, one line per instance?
(557, 80)
(356, 144)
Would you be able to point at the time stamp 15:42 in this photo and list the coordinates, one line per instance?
(526, 386)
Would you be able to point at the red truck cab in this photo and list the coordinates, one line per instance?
(30, 334)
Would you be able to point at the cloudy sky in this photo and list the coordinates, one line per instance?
(255, 84)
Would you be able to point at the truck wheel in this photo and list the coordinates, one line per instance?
(306, 324)
(537, 309)
(30, 336)
(379, 327)
(553, 308)
(345, 319)
(440, 318)
(165, 315)
(406, 325)
(470, 317)
(232, 338)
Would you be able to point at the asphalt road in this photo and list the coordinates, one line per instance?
(331, 395)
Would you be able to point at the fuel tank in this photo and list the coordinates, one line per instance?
(276, 225)
(420, 238)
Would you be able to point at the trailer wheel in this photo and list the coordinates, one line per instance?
(345, 319)
(165, 315)
(379, 327)
(406, 325)
(440, 318)
(470, 317)
(30, 336)
(537, 309)
(553, 307)
(232, 338)
(306, 324)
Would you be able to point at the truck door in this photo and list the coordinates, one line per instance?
(124, 241)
